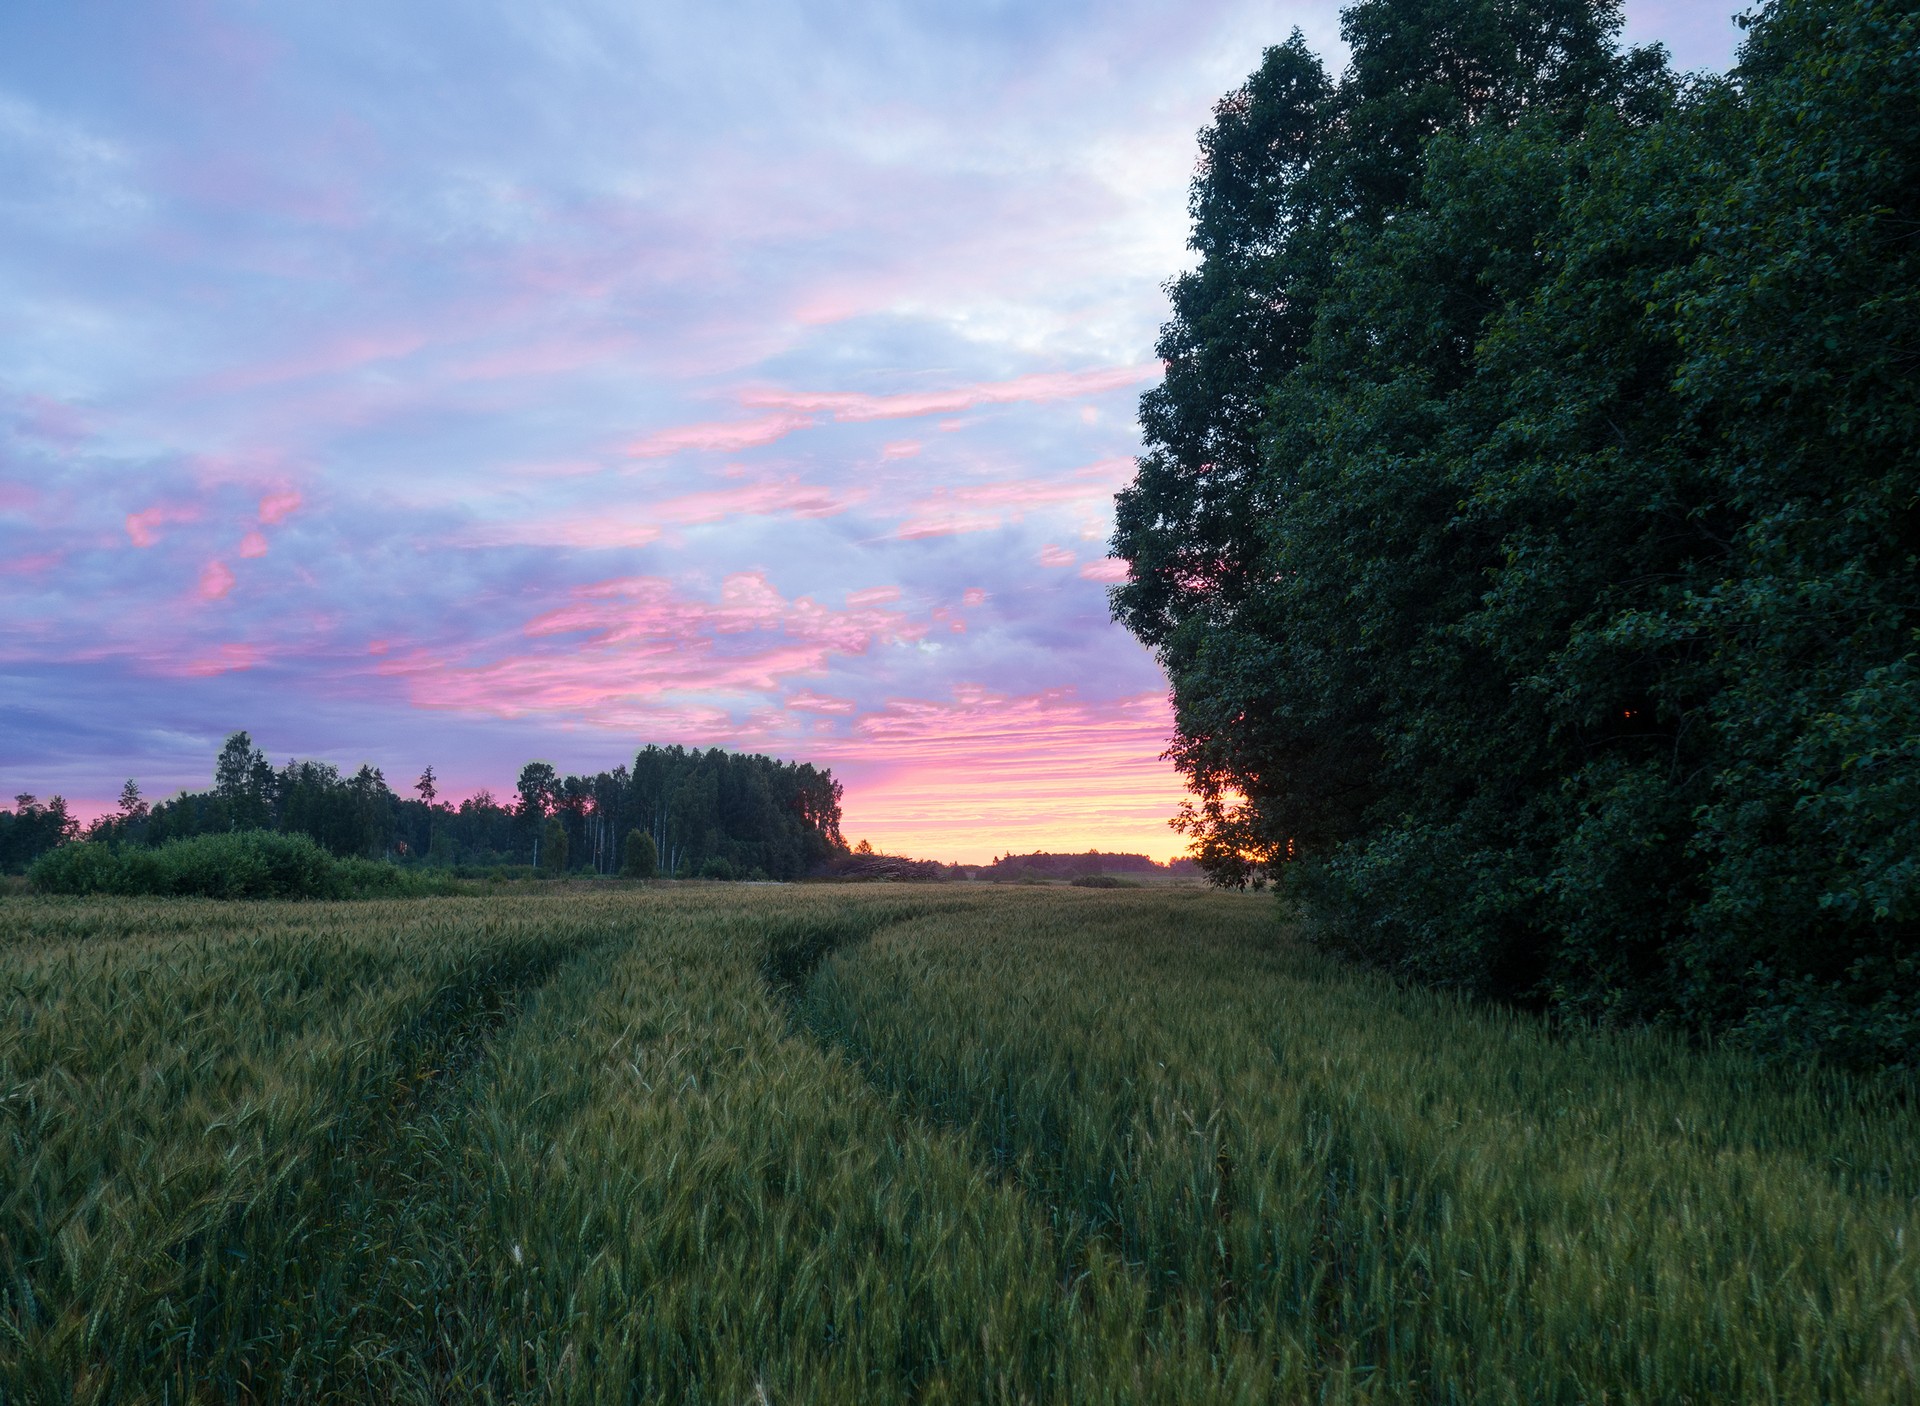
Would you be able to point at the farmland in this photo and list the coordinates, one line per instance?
(886, 1143)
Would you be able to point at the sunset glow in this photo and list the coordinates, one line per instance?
(426, 384)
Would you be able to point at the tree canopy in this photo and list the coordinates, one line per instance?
(1528, 523)
(762, 817)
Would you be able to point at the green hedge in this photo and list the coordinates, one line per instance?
(244, 864)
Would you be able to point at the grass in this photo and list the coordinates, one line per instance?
(886, 1144)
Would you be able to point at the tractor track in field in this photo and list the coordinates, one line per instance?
(789, 971)
(380, 1171)
(1058, 1202)
(789, 974)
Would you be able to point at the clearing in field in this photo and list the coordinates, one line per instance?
(835, 1145)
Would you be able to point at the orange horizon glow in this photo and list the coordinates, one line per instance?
(988, 775)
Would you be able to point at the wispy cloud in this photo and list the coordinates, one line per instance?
(145, 527)
(848, 406)
(801, 410)
(635, 639)
(718, 436)
(626, 522)
(279, 505)
(982, 507)
(216, 579)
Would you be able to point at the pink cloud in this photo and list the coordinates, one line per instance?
(38, 564)
(597, 532)
(974, 596)
(807, 701)
(900, 449)
(636, 641)
(640, 608)
(17, 496)
(982, 507)
(601, 682)
(1106, 569)
(1040, 386)
(874, 595)
(635, 525)
(228, 659)
(254, 544)
(760, 499)
(1051, 555)
(799, 410)
(143, 528)
(216, 579)
(279, 505)
(722, 437)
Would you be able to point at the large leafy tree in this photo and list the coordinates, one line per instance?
(1528, 522)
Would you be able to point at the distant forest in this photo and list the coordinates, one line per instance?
(709, 814)
(1530, 517)
(1041, 865)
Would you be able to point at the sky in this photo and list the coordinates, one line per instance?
(465, 382)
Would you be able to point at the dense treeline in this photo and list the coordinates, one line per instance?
(710, 814)
(1043, 865)
(1529, 523)
(31, 828)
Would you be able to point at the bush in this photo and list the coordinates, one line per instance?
(1105, 881)
(642, 856)
(243, 864)
(553, 850)
(718, 867)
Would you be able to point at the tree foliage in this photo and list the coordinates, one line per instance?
(765, 818)
(553, 849)
(32, 828)
(640, 856)
(1529, 521)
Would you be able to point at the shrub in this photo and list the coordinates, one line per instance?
(242, 864)
(642, 856)
(553, 850)
(718, 867)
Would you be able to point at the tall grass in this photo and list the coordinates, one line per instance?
(848, 1145)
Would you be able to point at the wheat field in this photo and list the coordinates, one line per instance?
(888, 1143)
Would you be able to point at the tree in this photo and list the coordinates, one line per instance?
(425, 786)
(759, 814)
(243, 782)
(553, 850)
(1526, 523)
(536, 786)
(133, 809)
(31, 829)
(642, 856)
